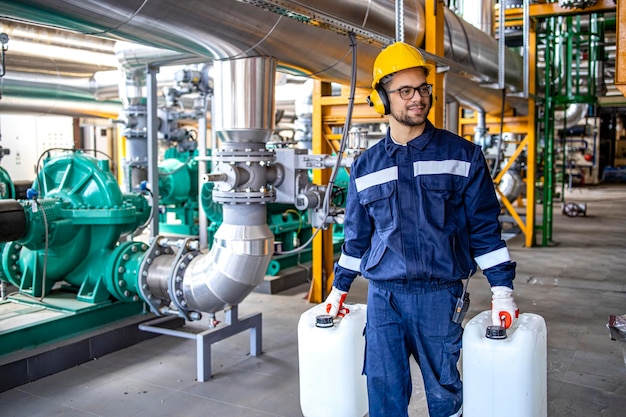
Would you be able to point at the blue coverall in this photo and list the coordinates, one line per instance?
(419, 219)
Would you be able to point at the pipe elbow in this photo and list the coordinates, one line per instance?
(235, 265)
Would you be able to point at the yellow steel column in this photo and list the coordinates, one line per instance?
(322, 256)
(620, 55)
(435, 46)
(531, 151)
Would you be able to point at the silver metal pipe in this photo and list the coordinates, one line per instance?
(46, 51)
(236, 264)
(525, 51)
(243, 244)
(244, 96)
(153, 156)
(501, 48)
(213, 30)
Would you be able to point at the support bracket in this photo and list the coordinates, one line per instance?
(206, 338)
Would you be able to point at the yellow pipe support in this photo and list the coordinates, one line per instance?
(531, 152)
(511, 210)
(322, 249)
(620, 56)
(512, 159)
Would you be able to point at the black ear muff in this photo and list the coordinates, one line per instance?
(379, 101)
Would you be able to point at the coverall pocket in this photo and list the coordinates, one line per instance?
(376, 255)
(439, 197)
(378, 200)
(449, 360)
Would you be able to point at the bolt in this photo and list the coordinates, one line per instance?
(179, 292)
(182, 265)
(179, 278)
(121, 270)
(126, 293)
(126, 257)
(149, 261)
(121, 283)
(135, 298)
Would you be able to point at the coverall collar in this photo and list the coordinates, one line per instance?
(418, 142)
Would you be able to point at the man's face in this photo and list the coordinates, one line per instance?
(412, 112)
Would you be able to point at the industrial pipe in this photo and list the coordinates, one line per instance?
(213, 30)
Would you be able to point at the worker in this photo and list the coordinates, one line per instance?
(421, 216)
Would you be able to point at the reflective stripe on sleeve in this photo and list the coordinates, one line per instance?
(349, 262)
(376, 178)
(494, 258)
(449, 166)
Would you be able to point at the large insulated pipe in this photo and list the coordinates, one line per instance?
(228, 29)
(27, 92)
(46, 51)
(243, 245)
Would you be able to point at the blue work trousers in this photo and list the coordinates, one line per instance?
(412, 318)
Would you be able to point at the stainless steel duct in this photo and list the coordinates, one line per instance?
(243, 244)
(54, 94)
(228, 29)
(48, 51)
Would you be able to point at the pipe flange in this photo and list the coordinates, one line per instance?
(175, 284)
(120, 270)
(154, 251)
(232, 156)
(244, 197)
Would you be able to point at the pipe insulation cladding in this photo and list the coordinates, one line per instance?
(243, 244)
(307, 37)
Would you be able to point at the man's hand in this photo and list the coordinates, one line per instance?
(334, 301)
(504, 311)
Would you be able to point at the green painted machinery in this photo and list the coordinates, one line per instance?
(60, 250)
(72, 225)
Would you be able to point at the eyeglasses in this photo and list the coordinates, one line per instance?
(407, 93)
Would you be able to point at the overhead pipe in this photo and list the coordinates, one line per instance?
(227, 29)
(48, 51)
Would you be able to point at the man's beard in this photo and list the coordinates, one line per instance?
(411, 121)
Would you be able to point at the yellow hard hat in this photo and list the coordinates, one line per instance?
(397, 57)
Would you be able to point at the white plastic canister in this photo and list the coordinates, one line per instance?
(505, 377)
(331, 363)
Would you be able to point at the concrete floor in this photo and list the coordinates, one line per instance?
(575, 284)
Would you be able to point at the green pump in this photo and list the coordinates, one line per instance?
(73, 223)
